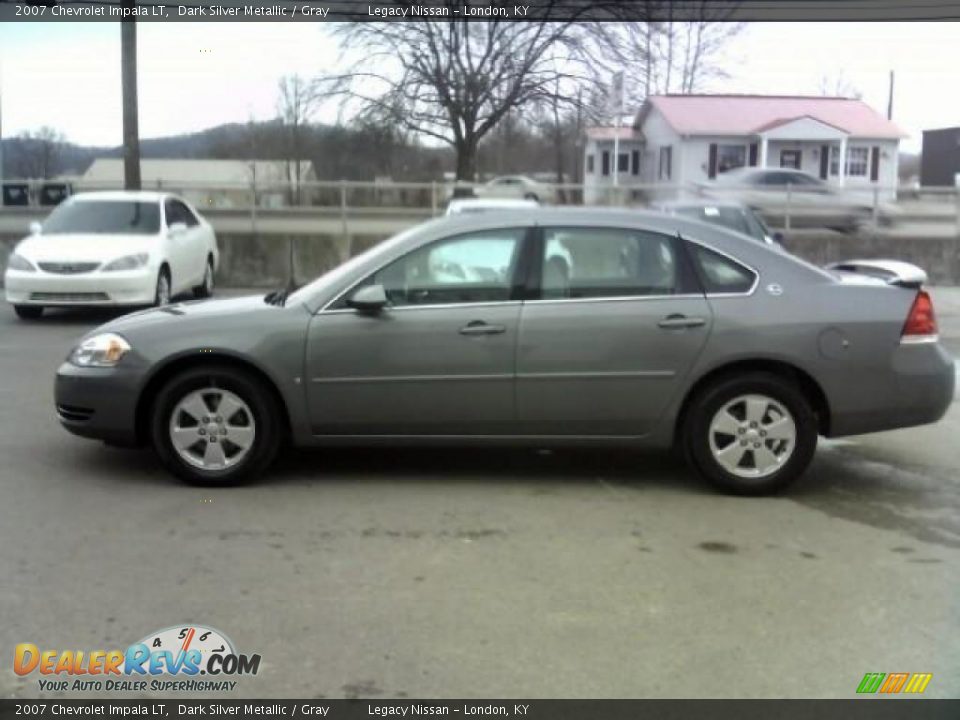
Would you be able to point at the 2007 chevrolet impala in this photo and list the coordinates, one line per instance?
(543, 326)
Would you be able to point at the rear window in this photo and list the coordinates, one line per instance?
(726, 217)
(720, 274)
(121, 217)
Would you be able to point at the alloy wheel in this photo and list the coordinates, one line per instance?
(752, 436)
(212, 429)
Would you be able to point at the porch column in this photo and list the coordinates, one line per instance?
(842, 165)
(763, 151)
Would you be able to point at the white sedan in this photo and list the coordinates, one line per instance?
(112, 248)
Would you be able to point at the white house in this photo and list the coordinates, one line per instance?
(678, 140)
(205, 183)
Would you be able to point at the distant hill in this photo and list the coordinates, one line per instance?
(337, 152)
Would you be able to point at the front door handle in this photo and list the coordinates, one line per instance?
(479, 327)
(674, 322)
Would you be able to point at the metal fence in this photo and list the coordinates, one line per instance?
(349, 198)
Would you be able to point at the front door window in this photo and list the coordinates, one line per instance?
(790, 159)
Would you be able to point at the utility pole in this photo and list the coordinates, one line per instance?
(131, 130)
(890, 99)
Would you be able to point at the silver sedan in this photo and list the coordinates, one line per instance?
(540, 327)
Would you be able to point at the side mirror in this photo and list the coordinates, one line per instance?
(35, 228)
(178, 228)
(370, 298)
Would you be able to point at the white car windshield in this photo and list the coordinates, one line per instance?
(120, 217)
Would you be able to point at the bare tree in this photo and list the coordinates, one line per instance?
(295, 106)
(671, 56)
(839, 86)
(38, 153)
(455, 81)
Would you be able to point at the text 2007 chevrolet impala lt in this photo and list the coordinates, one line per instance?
(543, 326)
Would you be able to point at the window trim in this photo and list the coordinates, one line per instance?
(521, 272)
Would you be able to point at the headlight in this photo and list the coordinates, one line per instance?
(100, 351)
(19, 262)
(127, 262)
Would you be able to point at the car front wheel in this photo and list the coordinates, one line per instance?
(215, 426)
(752, 434)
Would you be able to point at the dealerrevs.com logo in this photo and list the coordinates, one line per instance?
(172, 659)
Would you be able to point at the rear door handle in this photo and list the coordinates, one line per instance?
(479, 327)
(674, 322)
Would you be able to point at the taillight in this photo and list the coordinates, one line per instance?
(921, 322)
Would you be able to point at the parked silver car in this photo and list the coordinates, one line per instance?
(810, 200)
(544, 326)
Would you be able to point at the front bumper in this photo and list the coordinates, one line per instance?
(98, 403)
(126, 287)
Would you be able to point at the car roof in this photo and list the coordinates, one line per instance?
(132, 195)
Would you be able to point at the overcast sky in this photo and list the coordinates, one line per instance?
(193, 76)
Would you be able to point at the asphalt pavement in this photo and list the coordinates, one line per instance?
(483, 573)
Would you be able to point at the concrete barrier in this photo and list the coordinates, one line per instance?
(259, 255)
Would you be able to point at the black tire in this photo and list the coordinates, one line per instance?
(708, 402)
(163, 275)
(531, 196)
(205, 289)
(28, 312)
(267, 424)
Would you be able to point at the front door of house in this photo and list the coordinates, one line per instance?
(790, 159)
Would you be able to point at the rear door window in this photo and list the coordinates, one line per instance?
(585, 262)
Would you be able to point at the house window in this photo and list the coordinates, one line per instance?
(590, 163)
(605, 163)
(635, 162)
(857, 161)
(666, 162)
(623, 163)
(731, 157)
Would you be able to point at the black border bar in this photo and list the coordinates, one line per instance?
(557, 10)
(873, 708)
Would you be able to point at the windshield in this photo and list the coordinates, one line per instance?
(121, 217)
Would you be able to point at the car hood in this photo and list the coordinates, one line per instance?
(83, 247)
(183, 312)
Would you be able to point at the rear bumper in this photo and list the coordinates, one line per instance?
(133, 287)
(98, 403)
(921, 391)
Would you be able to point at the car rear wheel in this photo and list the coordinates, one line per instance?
(750, 435)
(162, 295)
(28, 312)
(205, 289)
(215, 426)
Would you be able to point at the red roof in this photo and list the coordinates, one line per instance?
(751, 114)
